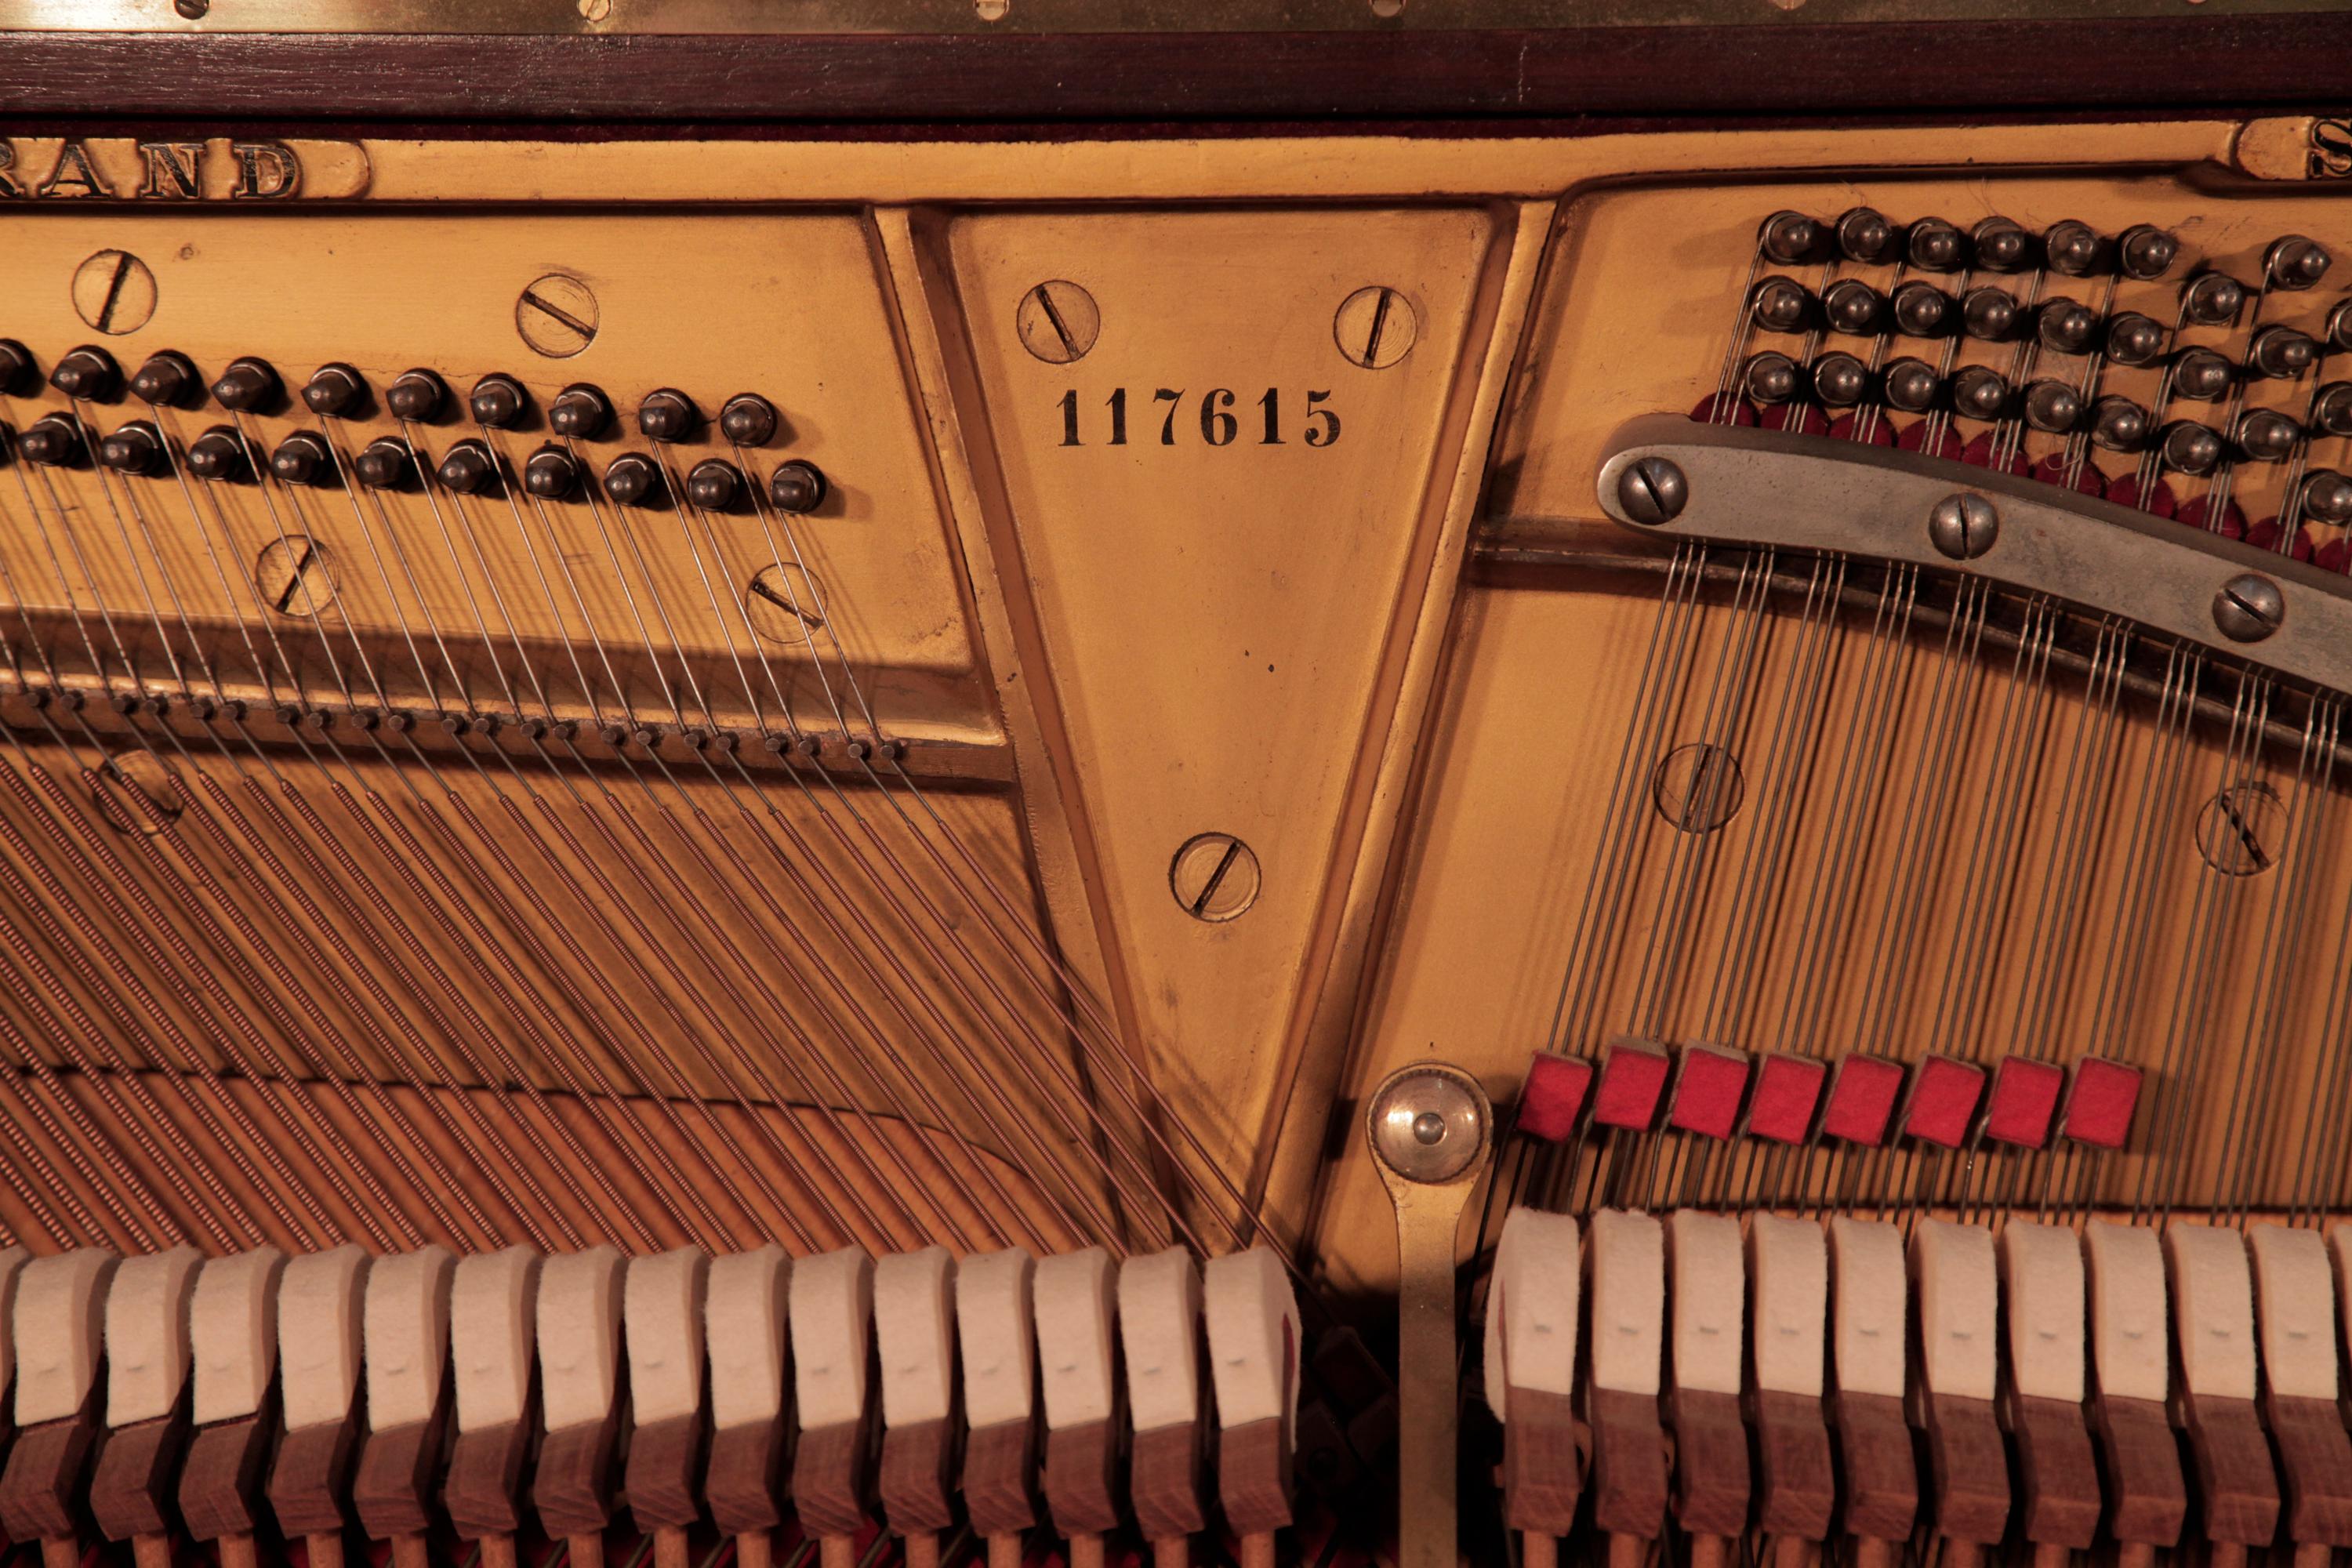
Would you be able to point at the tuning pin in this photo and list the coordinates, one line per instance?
(2072, 248)
(416, 396)
(1852, 307)
(1989, 313)
(334, 390)
(2118, 425)
(2146, 252)
(580, 412)
(747, 419)
(2134, 339)
(2065, 326)
(1778, 305)
(383, 464)
(1910, 386)
(2332, 410)
(52, 441)
(302, 459)
(2296, 263)
(551, 473)
(498, 401)
(164, 380)
(135, 449)
(247, 387)
(2001, 244)
(87, 372)
(1769, 377)
(1934, 246)
(2191, 447)
(1864, 236)
(2053, 406)
(16, 368)
(2282, 351)
(1920, 308)
(2202, 375)
(1979, 392)
(668, 415)
(2213, 299)
(797, 487)
(1840, 380)
(2327, 496)
(631, 477)
(1788, 238)
(2266, 436)
(217, 454)
(467, 468)
(714, 485)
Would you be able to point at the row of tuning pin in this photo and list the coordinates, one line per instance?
(580, 412)
(1837, 382)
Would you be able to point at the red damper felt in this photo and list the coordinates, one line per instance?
(1709, 1087)
(1632, 1079)
(1942, 1101)
(1980, 452)
(1787, 1088)
(1796, 419)
(1878, 432)
(2199, 514)
(2052, 470)
(2124, 492)
(1940, 443)
(1553, 1097)
(2100, 1103)
(1862, 1097)
(1724, 408)
(2024, 1097)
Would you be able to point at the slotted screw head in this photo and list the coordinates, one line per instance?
(1963, 526)
(2249, 607)
(1652, 490)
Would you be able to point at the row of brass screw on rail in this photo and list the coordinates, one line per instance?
(1918, 308)
(498, 402)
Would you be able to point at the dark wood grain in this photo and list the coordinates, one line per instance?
(221, 1481)
(1796, 1482)
(1543, 1462)
(2058, 1479)
(138, 1468)
(1878, 1465)
(1903, 68)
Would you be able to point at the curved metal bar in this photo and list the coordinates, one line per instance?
(1752, 487)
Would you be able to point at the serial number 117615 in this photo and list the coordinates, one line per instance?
(1212, 414)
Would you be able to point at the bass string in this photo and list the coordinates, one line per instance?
(559, 858)
(2160, 1182)
(435, 981)
(720, 942)
(940, 1127)
(947, 1039)
(2286, 920)
(1112, 1062)
(615, 1116)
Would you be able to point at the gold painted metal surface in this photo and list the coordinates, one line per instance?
(1211, 522)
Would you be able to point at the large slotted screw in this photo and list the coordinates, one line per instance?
(1652, 490)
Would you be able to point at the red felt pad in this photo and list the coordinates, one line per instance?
(1708, 1085)
(1553, 1097)
(1942, 1101)
(1632, 1078)
(2100, 1103)
(1980, 452)
(1862, 1097)
(2025, 1099)
(1786, 1089)
(2052, 470)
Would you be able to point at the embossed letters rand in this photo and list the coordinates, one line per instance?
(222, 169)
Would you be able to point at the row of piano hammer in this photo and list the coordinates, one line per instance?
(337, 1389)
(2038, 1337)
